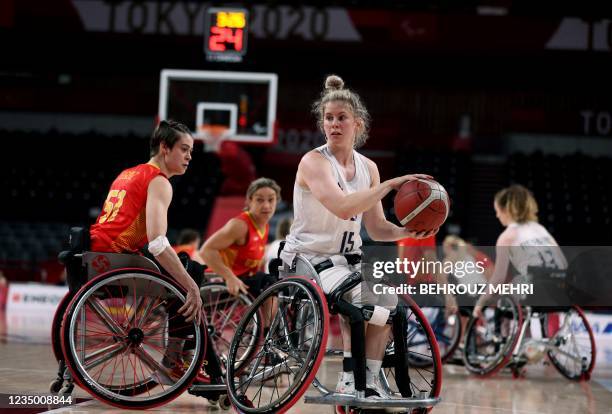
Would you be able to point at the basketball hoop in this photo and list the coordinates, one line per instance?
(212, 136)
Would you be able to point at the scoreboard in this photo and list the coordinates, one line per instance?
(226, 33)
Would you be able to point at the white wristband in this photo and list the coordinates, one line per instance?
(157, 246)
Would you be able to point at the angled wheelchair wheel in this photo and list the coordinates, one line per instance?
(490, 340)
(424, 375)
(573, 344)
(56, 340)
(447, 330)
(223, 312)
(123, 339)
(287, 357)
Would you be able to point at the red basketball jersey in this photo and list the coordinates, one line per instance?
(246, 260)
(121, 226)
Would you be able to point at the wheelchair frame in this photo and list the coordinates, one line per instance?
(311, 283)
(94, 267)
(515, 358)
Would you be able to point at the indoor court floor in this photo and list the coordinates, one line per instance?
(27, 366)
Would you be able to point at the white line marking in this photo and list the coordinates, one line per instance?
(69, 408)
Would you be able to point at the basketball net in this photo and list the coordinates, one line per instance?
(212, 136)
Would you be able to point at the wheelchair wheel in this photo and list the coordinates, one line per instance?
(446, 329)
(119, 343)
(574, 344)
(422, 354)
(490, 340)
(287, 358)
(223, 312)
(56, 339)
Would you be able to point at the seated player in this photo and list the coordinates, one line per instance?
(236, 251)
(416, 250)
(458, 250)
(135, 213)
(524, 242)
(189, 241)
(335, 189)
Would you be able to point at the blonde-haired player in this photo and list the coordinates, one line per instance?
(336, 188)
(524, 242)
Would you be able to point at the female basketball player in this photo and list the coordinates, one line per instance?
(188, 241)
(136, 209)
(335, 189)
(136, 213)
(525, 242)
(236, 251)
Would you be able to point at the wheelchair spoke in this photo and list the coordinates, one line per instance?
(148, 309)
(283, 358)
(95, 305)
(120, 344)
(93, 360)
(150, 362)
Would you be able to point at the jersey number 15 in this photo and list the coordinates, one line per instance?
(347, 242)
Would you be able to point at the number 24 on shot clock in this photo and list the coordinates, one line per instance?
(226, 32)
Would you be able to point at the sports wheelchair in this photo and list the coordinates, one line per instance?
(446, 328)
(507, 337)
(117, 333)
(272, 377)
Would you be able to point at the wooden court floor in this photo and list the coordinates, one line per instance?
(27, 367)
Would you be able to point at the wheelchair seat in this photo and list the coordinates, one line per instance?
(101, 262)
(83, 264)
(301, 267)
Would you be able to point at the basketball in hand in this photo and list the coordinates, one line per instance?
(421, 205)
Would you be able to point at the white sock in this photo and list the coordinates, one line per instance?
(373, 367)
(348, 354)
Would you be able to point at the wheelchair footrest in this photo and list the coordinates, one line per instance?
(350, 400)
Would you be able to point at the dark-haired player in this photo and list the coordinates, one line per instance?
(136, 213)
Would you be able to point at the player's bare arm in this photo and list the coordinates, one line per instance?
(315, 173)
(374, 220)
(159, 195)
(233, 232)
(502, 262)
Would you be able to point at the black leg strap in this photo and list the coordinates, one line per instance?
(357, 341)
(348, 364)
(335, 296)
(400, 327)
(358, 351)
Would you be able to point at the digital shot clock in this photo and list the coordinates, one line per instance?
(226, 33)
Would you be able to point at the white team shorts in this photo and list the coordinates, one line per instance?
(361, 294)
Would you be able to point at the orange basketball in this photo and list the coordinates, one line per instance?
(421, 205)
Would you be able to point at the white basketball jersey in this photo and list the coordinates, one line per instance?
(534, 246)
(315, 229)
